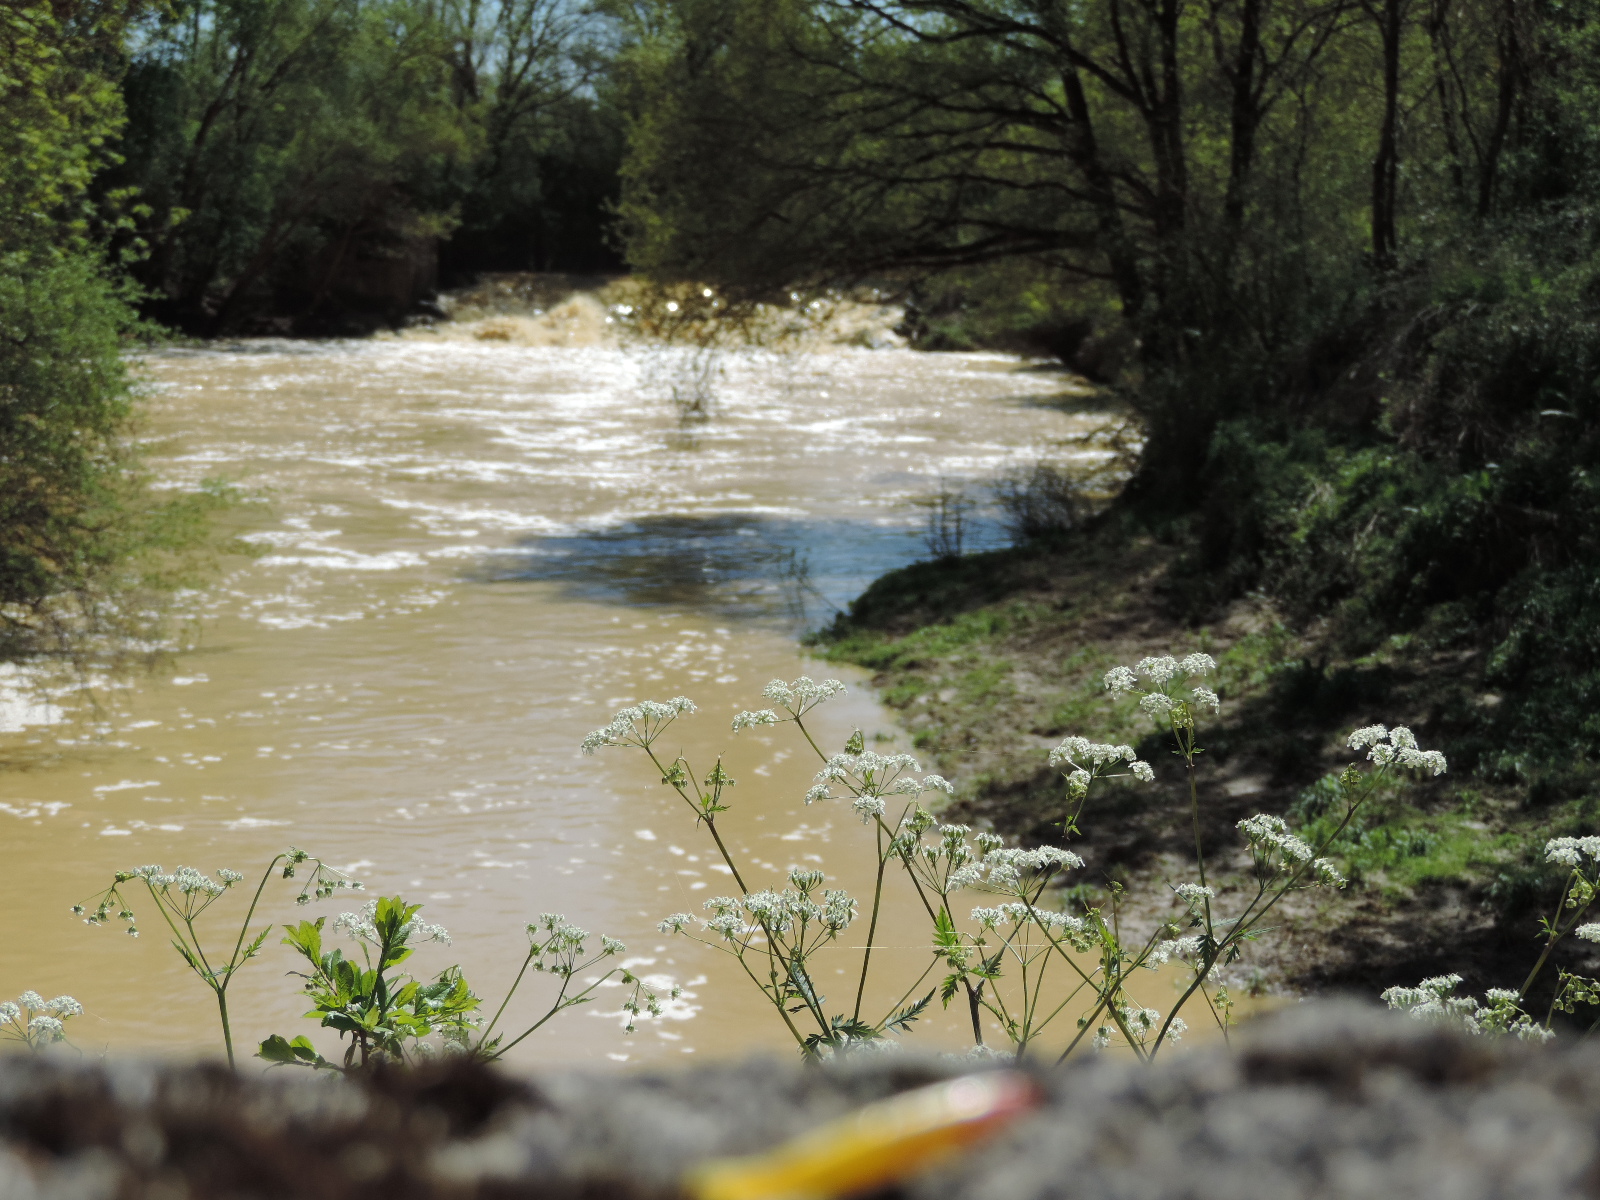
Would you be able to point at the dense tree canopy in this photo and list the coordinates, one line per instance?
(1230, 171)
(303, 159)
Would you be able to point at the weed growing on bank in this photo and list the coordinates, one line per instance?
(1502, 1009)
(35, 1021)
(378, 1011)
(1018, 963)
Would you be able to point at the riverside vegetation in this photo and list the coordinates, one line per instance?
(1025, 967)
(382, 1014)
(1337, 259)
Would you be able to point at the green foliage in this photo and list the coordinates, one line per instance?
(86, 547)
(381, 1011)
(64, 470)
(302, 159)
(59, 107)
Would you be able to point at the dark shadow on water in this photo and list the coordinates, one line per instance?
(1101, 401)
(748, 565)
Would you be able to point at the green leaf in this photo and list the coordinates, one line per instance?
(298, 1053)
(276, 1049)
(305, 937)
(901, 1021)
(947, 989)
(255, 947)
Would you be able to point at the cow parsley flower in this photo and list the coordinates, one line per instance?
(1006, 868)
(1184, 948)
(1204, 697)
(1589, 932)
(46, 1029)
(1080, 752)
(676, 923)
(1194, 895)
(820, 792)
(1327, 874)
(802, 695)
(1385, 746)
(1120, 679)
(1570, 851)
(748, 720)
(1160, 671)
(868, 807)
(639, 725)
(1158, 704)
(1269, 836)
(361, 928)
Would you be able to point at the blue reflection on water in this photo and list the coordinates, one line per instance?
(751, 565)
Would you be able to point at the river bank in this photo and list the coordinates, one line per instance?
(991, 659)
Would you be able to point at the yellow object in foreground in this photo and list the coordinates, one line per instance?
(873, 1146)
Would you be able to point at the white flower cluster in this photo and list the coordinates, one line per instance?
(1432, 1000)
(1275, 848)
(557, 934)
(870, 777)
(1143, 1022)
(747, 719)
(1012, 870)
(1570, 851)
(1159, 671)
(638, 725)
(1194, 895)
(1589, 932)
(1158, 701)
(951, 863)
(1185, 949)
(36, 1021)
(188, 880)
(802, 695)
(774, 912)
(1269, 835)
(676, 923)
(1014, 914)
(1090, 760)
(1397, 745)
(360, 927)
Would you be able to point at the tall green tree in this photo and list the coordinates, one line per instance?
(297, 159)
(272, 141)
(81, 536)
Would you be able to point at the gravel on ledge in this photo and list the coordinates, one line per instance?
(1328, 1100)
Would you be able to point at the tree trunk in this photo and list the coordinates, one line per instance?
(1386, 165)
(1510, 62)
(1246, 115)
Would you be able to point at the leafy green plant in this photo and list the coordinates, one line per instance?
(379, 1010)
(382, 1012)
(388, 1015)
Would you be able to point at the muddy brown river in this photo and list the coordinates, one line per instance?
(473, 553)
